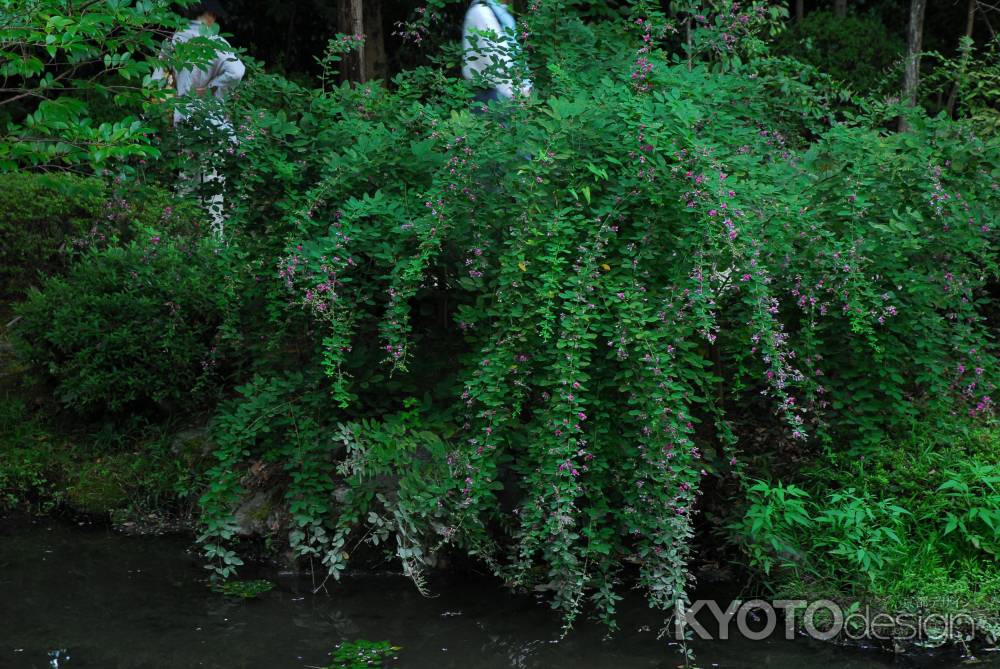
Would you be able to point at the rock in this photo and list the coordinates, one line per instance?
(193, 440)
(258, 514)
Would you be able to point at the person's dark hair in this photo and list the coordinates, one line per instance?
(207, 7)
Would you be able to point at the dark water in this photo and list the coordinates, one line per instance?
(108, 601)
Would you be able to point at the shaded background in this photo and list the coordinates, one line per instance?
(290, 36)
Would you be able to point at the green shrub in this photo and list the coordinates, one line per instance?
(129, 327)
(543, 325)
(41, 216)
(856, 49)
(47, 219)
(969, 81)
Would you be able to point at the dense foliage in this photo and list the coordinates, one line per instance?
(61, 62)
(129, 327)
(857, 50)
(635, 276)
(529, 331)
(46, 220)
(37, 216)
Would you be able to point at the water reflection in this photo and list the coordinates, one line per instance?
(77, 597)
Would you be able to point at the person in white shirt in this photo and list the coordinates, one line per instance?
(198, 88)
(491, 51)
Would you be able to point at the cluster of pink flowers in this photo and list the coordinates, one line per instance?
(970, 382)
(643, 66)
(730, 26)
(415, 31)
(984, 407)
(318, 282)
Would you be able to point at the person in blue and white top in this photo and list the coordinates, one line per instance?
(199, 91)
(491, 51)
(214, 78)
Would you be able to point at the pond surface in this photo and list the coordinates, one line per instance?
(92, 598)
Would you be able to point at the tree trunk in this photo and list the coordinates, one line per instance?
(914, 43)
(376, 60)
(970, 24)
(351, 20)
(800, 10)
(840, 8)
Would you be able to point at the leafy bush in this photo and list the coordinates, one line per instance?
(857, 534)
(391, 473)
(600, 295)
(132, 327)
(40, 215)
(856, 49)
(47, 219)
